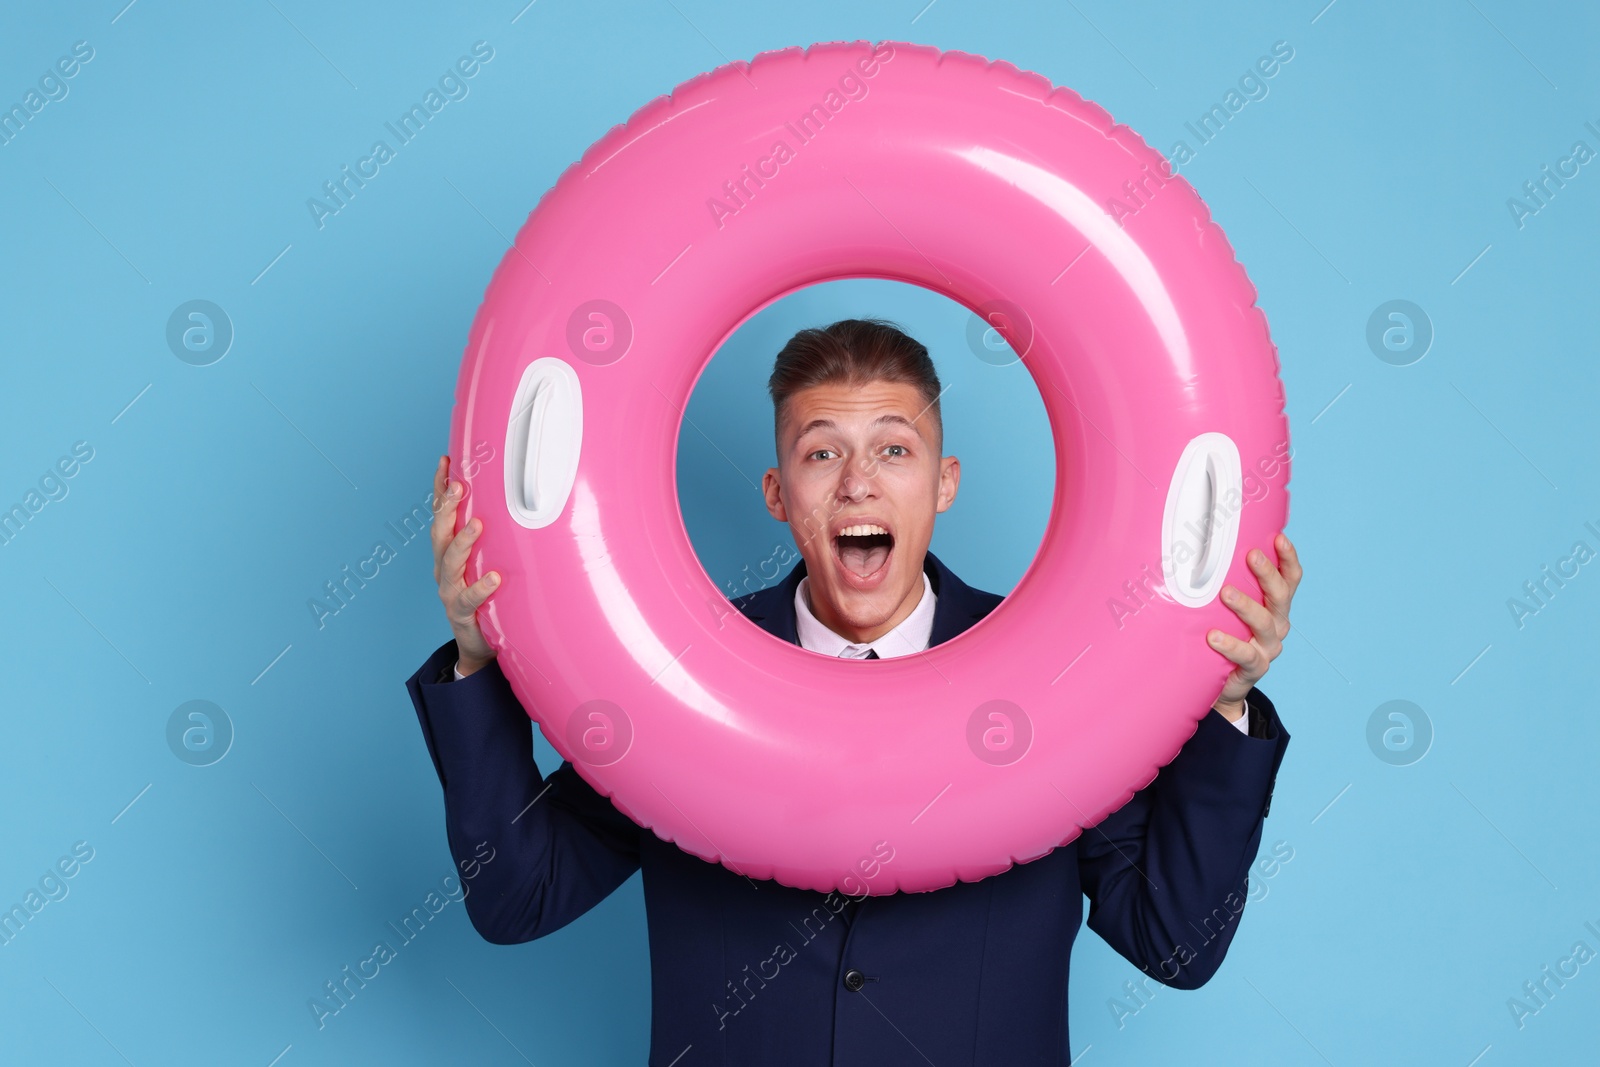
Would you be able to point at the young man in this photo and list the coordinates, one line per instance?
(746, 972)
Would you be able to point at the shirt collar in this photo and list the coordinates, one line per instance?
(910, 636)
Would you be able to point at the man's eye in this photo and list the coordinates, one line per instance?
(820, 451)
(902, 448)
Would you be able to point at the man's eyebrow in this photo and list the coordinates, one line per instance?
(829, 424)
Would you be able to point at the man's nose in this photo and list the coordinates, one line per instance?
(855, 481)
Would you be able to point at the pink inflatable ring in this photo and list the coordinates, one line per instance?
(1028, 205)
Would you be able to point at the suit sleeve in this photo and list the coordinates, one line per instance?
(1167, 874)
(558, 846)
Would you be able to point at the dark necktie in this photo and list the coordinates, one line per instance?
(872, 653)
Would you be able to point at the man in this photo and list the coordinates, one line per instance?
(747, 972)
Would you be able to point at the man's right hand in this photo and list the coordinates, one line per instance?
(449, 570)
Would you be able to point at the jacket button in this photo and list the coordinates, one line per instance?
(854, 980)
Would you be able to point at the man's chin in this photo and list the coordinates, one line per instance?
(863, 610)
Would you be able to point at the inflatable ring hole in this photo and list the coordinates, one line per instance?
(993, 416)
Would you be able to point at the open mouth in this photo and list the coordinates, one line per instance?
(863, 552)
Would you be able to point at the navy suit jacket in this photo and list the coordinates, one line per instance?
(753, 972)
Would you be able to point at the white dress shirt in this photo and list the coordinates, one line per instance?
(909, 637)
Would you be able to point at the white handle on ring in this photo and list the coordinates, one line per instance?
(543, 439)
(1200, 523)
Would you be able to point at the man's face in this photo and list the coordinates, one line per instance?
(851, 456)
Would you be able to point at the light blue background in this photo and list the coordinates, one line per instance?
(221, 498)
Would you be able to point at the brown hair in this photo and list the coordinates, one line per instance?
(854, 352)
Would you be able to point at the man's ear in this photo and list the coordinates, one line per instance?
(949, 480)
(772, 491)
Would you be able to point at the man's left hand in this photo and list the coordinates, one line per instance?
(1269, 624)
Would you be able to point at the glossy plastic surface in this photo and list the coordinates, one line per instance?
(1030, 206)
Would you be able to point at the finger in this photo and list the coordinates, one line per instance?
(453, 563)
(1263, 623)
(1252, 662)
(471, 597)
(1289, 561)
(441, 484)
(446, 497)
(1276, 592)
